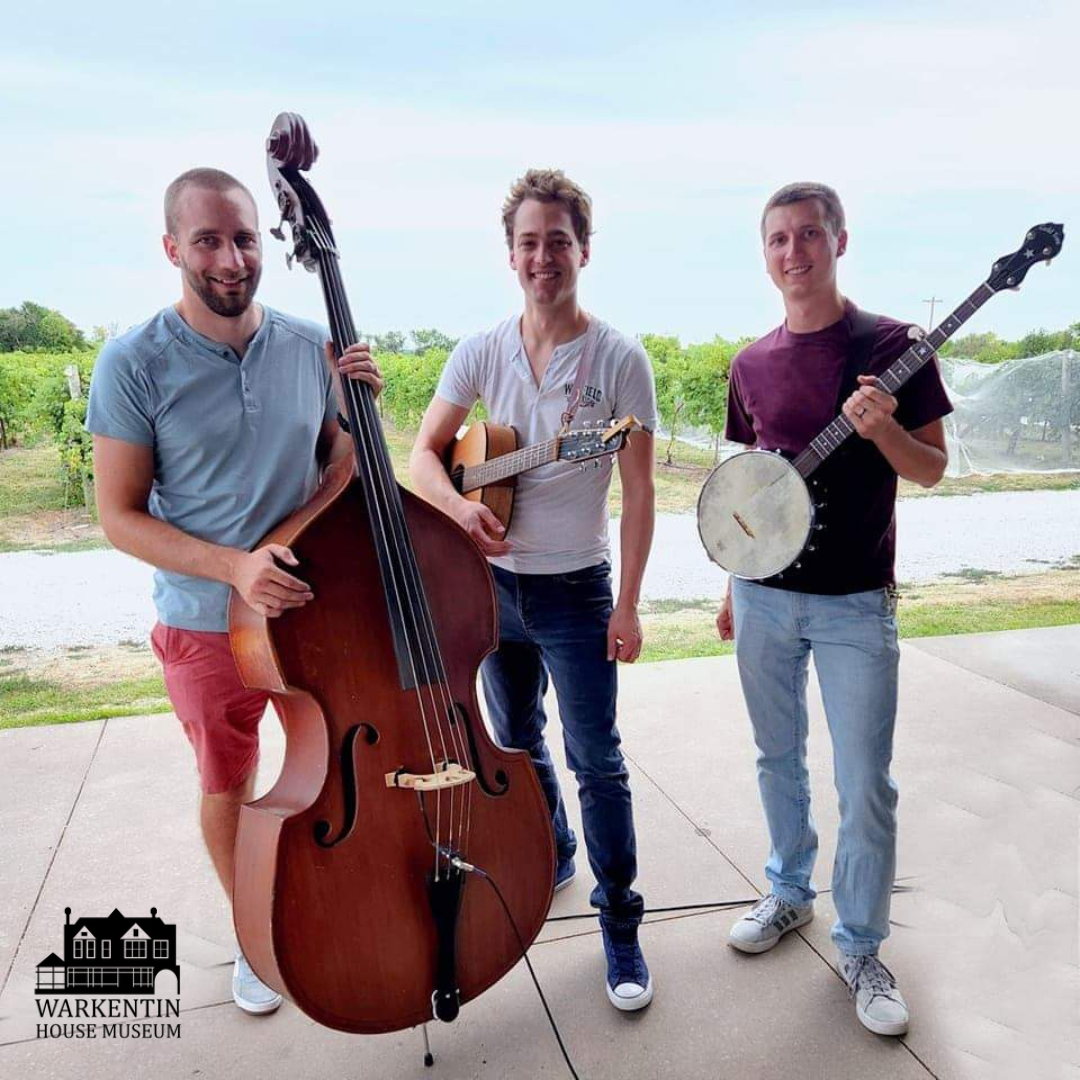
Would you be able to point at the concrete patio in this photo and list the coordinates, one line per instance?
(102, 815)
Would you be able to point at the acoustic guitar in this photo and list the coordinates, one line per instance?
(485, 462)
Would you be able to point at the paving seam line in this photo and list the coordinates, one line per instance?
(913, 643)
(708, 838)
(52, 858)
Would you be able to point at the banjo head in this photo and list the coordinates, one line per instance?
(755, 514)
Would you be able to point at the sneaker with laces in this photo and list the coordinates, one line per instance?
(565, 872)
(629, 985)
(249, 991)
(878, 1003)
(768, 921)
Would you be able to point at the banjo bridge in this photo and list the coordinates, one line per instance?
(742, 524)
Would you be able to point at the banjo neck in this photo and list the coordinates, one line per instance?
(898, 373)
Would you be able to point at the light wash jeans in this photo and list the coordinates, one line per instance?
(853, 640)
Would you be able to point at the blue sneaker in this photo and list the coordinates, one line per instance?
(629, 985)
(565, 872)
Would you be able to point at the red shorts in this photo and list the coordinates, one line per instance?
(220, 715)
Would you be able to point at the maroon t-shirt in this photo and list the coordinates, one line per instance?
(783, 391)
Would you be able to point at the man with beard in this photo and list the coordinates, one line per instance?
(210, 424)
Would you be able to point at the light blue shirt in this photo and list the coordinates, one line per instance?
(234, 439)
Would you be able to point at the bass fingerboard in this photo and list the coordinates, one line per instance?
(898, 373)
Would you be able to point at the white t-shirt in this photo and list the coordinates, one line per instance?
(560, 512)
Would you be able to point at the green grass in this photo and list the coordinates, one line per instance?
(27, 702)
(674, 630)
(691, 630)
(30, 480)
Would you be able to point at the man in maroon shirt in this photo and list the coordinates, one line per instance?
(839, 603)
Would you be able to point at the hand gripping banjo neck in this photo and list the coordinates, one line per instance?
(1043, 242)
(755, 513)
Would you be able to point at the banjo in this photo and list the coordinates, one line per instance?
(485, 462)
(755, 512)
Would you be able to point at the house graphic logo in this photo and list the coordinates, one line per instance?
(116, 968)
(117, 954)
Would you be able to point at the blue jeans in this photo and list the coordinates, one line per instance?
(557, 624)
(853, 640)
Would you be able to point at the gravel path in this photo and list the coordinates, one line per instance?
(103, 597)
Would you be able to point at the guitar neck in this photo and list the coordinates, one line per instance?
(507, 465)
(898, 373)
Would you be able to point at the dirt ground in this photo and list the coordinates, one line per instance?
(83, 667)
(981, 587)
(55, 529)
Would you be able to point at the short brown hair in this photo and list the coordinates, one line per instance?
(209, 180)
(793, 193)
(549, 185)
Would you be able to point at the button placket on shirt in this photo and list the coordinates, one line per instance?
(251, 402)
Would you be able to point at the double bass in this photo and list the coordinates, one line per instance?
(402, 862)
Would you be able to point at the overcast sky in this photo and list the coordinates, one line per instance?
(947, 127)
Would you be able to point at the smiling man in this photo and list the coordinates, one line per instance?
(552, 572)
(839, 602)
(210, 423)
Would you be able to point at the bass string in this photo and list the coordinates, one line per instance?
(418, 606)
(386, 507)
(379, 511)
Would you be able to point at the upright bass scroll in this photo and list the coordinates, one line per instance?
(352, 895)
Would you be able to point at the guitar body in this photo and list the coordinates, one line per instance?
(481, 443)
(755, 515)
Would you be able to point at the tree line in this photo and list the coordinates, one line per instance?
(988, 348)
(38, 345)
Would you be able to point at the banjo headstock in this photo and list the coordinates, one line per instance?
(290, 150)
(1041, 244)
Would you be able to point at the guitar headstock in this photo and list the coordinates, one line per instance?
(593, 442)
(1041, 244)
(290, 150)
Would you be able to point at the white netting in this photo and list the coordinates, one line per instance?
(1016, 416)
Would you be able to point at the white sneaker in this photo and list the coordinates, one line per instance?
(878, 1003)
(768, 921)
(249, 992)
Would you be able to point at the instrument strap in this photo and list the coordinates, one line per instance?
(584, 364)
(860, 348)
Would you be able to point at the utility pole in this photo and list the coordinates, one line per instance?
(932, 301)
